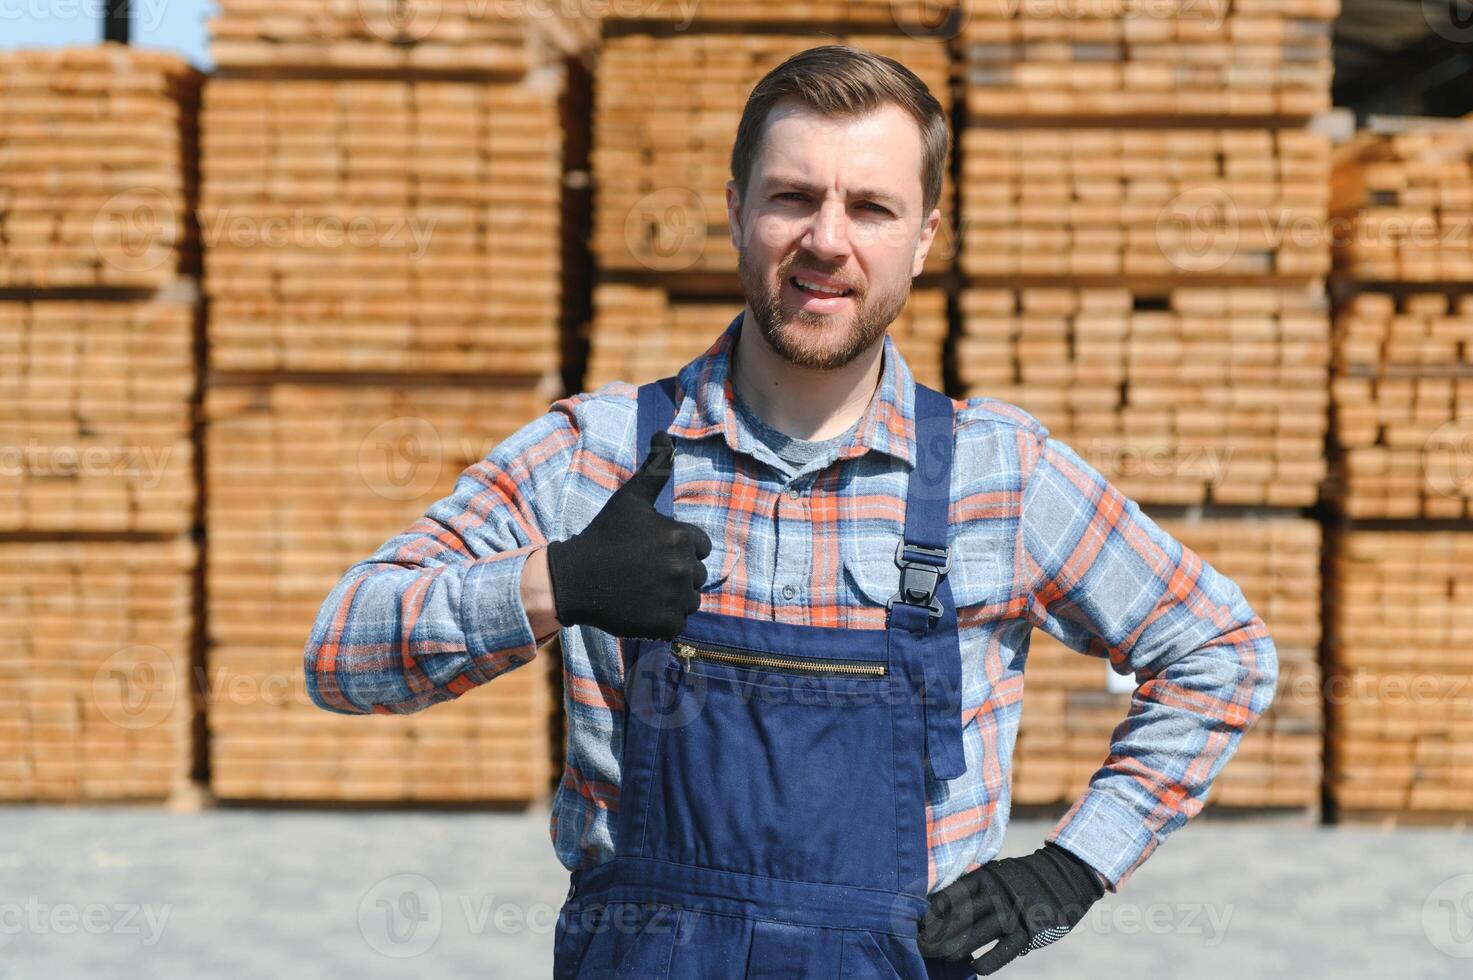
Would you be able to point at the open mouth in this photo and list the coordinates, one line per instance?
(814, 289)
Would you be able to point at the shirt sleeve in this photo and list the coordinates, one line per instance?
(1107, 581)
(437, 609)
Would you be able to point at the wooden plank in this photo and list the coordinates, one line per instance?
(304, 480)
(97, 181)
(97, 705)
(1220, 397)
(420, 227)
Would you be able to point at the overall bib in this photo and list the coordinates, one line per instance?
(772, 816)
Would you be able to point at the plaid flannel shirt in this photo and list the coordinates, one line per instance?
(1038, 538)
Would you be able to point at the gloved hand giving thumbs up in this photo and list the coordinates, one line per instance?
(632, 571)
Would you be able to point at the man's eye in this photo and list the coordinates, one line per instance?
(800, 195)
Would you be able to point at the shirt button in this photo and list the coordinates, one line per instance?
(793, 493)
(515, 660)
(788, 591)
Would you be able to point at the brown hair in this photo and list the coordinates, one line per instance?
(841, 80)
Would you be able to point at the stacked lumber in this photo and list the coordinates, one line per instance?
(1403, 203)
(1229, 58)
(914, 17)
(304, 480)
(98, 384)
(665, 118)
(1401, 746)
(95, 405)
(1403, 396)
(383, 225)
(384, 207)
(641, 333)
(1218, 397)
(1144, 202)
(96, 172)
(1401, 704)
(395, 35)
(96, 702)
(1069, 717)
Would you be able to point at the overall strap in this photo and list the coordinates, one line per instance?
(922, 613)
(656, 412)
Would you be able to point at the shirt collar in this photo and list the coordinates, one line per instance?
(705, 407)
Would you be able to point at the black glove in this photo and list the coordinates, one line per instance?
(1025, 902)
(632, 571)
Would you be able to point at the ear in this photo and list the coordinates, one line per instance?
(734, 214)
(923, 246)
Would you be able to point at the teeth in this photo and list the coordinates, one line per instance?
(819, 289)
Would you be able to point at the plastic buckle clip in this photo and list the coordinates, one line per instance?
(920, 580)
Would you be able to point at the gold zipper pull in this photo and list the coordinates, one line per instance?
(688, 653)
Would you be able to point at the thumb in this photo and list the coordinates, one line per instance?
(1008, 948)
(654, 473)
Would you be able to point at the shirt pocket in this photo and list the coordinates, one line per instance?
(869, 570)
(979, 573)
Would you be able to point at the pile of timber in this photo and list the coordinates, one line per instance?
(1182, 58)
(96, 167)
(911, 17)
(1221, 396)
(1403, 397)
(303, 481)
(389, 234)
(98, 705)
(1144, 202)
(1402, 202)
(1401, 710)
(395, 35)
(96, 403)
(383, 225)
(98, 395)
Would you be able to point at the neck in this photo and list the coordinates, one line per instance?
(799, 402)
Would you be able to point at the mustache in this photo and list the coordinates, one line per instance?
(784, 274)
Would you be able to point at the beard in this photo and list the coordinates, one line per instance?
(795, 341)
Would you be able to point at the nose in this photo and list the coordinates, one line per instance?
(828, 234)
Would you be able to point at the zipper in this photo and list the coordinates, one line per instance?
(807, 665)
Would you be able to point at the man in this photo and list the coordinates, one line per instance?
(795, 606)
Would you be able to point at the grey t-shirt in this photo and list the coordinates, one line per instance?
(794, 452)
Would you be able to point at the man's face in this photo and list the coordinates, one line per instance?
(831, 203)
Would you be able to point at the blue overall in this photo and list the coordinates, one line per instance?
(771, 815)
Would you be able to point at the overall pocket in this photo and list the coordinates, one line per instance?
(782, 765)
(619, 939)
